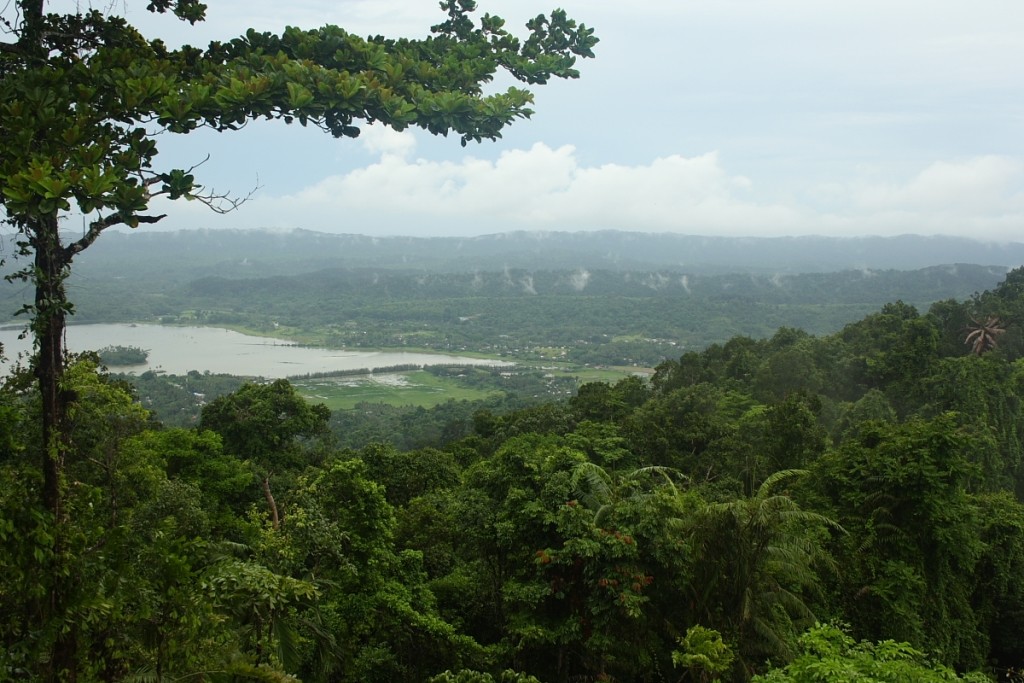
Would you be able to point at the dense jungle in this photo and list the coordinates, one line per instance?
(790, 508)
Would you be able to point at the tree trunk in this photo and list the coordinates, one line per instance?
(275, 519)
(48, 328)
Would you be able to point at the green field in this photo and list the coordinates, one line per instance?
(611, 374)
(584, 374)
(424, 389)
(416, 388)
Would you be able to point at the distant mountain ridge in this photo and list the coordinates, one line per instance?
(513, 289)
(186, 255)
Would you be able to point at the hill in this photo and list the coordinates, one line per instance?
(231, 253)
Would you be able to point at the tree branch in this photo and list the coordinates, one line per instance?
(218, 202)
(225, 203)
(98, 226)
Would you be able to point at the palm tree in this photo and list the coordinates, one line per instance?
(983, 337)
(600, 490)
(756, 565)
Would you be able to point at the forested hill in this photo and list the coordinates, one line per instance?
(190, 254)
(846, 287)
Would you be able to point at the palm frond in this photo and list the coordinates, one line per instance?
(666, 474)
(984, 336)
(768, 484)
(286, 640)
(593, 484)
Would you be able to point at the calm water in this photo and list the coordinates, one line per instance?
(176, 350)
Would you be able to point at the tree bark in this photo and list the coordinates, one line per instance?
(271, 503)
(48, 328)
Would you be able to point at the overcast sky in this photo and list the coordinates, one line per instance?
(723, 117)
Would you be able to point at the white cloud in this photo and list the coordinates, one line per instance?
(538, 188)
(386, 141)
(980, 185)
(543, 188)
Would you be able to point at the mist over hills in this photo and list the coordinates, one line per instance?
(845, 287)
(610, 298)
(186, 255)
(305, 279)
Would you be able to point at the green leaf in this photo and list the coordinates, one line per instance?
(298, 95)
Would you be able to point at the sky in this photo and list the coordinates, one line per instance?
(708, 117)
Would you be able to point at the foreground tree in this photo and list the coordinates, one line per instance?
(84, 97)
(264, 424)
(828, 655)
(915, 536)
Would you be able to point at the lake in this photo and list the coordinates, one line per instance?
(176, 350)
